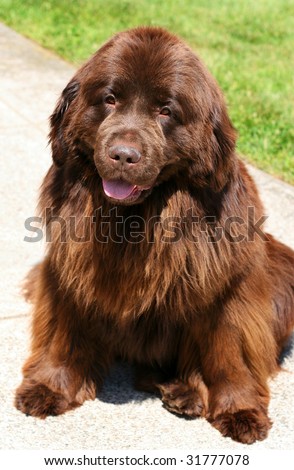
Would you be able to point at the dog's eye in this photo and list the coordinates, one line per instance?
(110, 99)
(165, 111)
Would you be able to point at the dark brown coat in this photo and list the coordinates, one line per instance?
(156, 253)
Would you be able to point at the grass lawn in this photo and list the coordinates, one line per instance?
(247, 44)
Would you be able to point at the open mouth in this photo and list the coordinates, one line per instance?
(122, 191)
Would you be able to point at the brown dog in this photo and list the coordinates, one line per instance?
(156, 253)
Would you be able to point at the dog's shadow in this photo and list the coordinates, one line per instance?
(118, 387)
(287, 350)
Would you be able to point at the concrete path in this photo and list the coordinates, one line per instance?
(31, 81)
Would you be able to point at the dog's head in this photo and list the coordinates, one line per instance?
(144, 109)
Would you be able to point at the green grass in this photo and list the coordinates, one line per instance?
(247, 44)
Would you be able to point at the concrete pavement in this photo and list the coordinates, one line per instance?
(31, 81)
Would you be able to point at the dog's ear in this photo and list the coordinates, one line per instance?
(57, 122)
(223, 142)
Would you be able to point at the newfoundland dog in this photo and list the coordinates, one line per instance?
(155, 253)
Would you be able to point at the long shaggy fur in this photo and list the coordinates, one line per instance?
(201, 306)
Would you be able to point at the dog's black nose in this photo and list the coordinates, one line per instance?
(124, 154)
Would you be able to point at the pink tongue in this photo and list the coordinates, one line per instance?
(118, 189)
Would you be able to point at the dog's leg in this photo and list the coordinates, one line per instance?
(148, 379)
(238, 354)
(186, 393)
(188, 397)
(183, 397)
(67, 361)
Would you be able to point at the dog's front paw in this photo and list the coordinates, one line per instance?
(246, 426)
(180, 398)
(35, 399)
